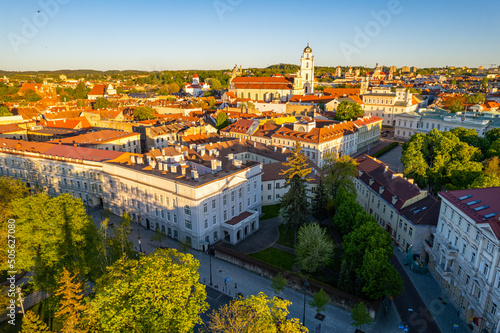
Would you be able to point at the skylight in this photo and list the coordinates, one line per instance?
(465, 197)
(473, 202)
(477, 209)
(487, 216)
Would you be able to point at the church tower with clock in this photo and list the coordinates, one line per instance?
(307, 70)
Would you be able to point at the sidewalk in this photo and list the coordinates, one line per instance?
(445, 315)
(248, 283)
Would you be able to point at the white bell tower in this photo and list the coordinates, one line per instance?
(307, 70)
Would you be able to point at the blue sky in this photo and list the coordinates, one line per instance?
(216, 34)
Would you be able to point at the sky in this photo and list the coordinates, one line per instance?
(154, 35)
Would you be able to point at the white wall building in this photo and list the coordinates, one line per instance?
(465, 255)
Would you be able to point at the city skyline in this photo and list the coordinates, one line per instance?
(62, 34)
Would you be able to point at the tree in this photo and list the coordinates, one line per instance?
(347, 277)
(278, 283)
(144, 113)
(158, 236)
(214, 84)
(71, 306)
(484, 83)
(294, 205)
(493, 135)
(348, 111)
(320, 300)
(477, 98)
(320, 202)
(33, 324)
(339, 172)
(53, 233)
(314, 249)
(456, 105)
(485, 181)
(4, 111)
(254, 314)
(159, 292)
(379, 276)
(31, 96)
(101, 103)
(345, 214)
(494, 149)
(360, 315)
(492, 166)
(222, 121)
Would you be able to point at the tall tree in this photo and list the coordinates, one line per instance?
(320, 202)
(4, 111)
(144, 113)
(379, 276)
(53, 233)
(254, 314)
(345, 214)
(339, 173)
(222, 121)
(348, 111)
(294, 206)
(360, 315)
(320, 300)
(101, 103)
(71, 305)
(33, 324)
(493, 134)
(314, 249)
(159, 292)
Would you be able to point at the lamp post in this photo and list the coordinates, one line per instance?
(140, 246)
(210, 260)
(304, 288)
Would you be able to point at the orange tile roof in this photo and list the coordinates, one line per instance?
(262, 83)
(317, 135)
(98, 89)
(339, 92)
(69, 123)
(95, 137)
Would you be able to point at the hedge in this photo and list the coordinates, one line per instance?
(385, 150)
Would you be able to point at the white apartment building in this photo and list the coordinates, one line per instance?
(405, 211)
(192, 196)
(464, 256)
(383, 103)
(425, 120)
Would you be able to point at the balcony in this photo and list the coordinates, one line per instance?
(445, 273)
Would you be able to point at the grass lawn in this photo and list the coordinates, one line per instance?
(287, 236)
(270, 212)
(275, 257)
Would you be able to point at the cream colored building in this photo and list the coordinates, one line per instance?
(192, 195)
(464, 256)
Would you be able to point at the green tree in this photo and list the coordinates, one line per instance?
(101, 103)
(278, 283)
(477, 98)
(158, 236)
(53, 233)
(214, 84)
(320, 300)
(144, 113)
(454, 82)
(345, 214)
(320, 202)
(314, 249)
(492, 166)
(485, 181)
(159, 292)
(456, 105)
(33, 324)
(71, 305)
(254, 314)
(494, 149)
(379, 276)
(347, 277)
(294, 207)
(31, 96)
(348, 111)
(484, 83)
(360, 315)
(339, 173)
(174, 88)
(222, 121)
(4, 111)
(493, 135)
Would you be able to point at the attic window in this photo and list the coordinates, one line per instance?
(487, 216)
(465, 197)
(473, 202)
(477, 209)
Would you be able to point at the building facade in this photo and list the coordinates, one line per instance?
(464, 256)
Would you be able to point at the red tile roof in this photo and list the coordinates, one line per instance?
(95, 137)
(317, 135)
(489, 197)
(237, 219)
(97, 90)
(262, 83)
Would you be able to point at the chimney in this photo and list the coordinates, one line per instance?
(213, 164)
(192, 146)
(139, 160)
(219, 165)
(194, 175)
(386, 167)
(160, 166)
(411, 181)
(153, 164)
(202, 152)
(230, 156)
(275, 148)
(283, 150)
(255, 144)
(178, 148)
(183, 170)
(132, 158)
(394, 199)
(173, 168)
(237, 163)
(381, 189)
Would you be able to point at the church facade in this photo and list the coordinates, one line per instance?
(277, 88)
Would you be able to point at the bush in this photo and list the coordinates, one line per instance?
(385, 150)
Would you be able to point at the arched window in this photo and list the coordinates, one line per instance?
(306, 90)
(307, 77)
(307, 63)
(187, 210)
